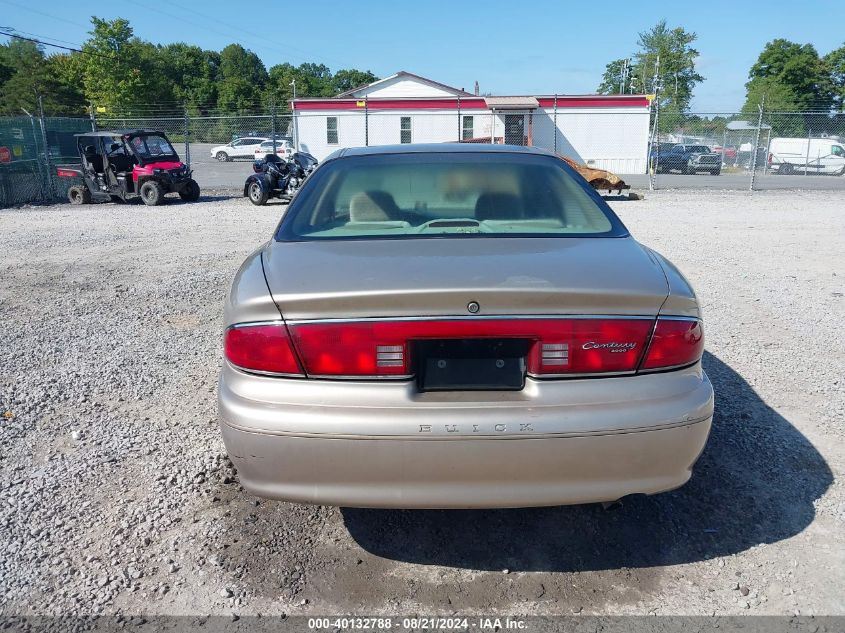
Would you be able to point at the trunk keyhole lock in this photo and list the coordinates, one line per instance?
(473, 307)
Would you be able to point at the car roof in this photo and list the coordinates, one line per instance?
(440, 148)
(111, 133)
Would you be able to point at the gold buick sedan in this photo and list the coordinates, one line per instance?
(459, 326)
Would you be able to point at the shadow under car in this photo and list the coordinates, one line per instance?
(755, 483)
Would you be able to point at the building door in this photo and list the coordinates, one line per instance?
(515, 129)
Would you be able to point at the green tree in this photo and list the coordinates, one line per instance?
(6, 71)
(191, 74)
(772, 93)
(348, 79)
(793, 74)
(25, 73)
(312, 80)
(835, 62)
(315, 80)
(676, 75)
(611, 80)
(112, 74)
(279, 89)
(242, 79)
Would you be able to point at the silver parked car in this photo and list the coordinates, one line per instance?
(454, 326)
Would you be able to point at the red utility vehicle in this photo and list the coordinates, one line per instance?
(125, 164)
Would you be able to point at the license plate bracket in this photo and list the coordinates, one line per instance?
(471, 364)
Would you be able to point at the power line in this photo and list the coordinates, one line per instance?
(46, 15)
(67, 48)
(259, 36)
(45, 37)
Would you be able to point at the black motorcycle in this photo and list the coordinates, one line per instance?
(276, 177)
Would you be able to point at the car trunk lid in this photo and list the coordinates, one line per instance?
(353, 279)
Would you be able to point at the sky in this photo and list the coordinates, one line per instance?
(534, 47)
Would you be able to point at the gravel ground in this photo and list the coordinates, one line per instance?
(116, 495)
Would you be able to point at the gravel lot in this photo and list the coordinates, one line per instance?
(116, 495)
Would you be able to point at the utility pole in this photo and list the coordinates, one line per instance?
(623, 75)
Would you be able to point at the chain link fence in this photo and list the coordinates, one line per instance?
(649, 150)
(752, 150)
(30, 150)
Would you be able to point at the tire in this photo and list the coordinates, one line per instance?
(715, 172)
(223, 157)
(79, 194)
(787, 169)
(256, 193)
(151, 193)
(191, 192)
(117, 199)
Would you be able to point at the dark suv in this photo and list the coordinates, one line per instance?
(689, 159)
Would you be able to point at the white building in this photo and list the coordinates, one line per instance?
(605, 131)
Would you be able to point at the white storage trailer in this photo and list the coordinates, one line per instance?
(807, 155)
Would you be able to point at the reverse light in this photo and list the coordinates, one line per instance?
(262, 348)
(675, 343)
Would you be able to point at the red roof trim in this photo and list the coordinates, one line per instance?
(594, 101)
(475, 103)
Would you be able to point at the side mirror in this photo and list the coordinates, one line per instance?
(114, 146)
(88, 149)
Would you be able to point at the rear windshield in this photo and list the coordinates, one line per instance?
(446, 194)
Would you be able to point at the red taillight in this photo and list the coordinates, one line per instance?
(585, 346)
(770, 159)
(557, 346)
(261, 348)
(353, 349)
(675, 343)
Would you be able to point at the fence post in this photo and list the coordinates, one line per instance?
(273, 122)
(655, 135)
(366, 121)
(294, 118)
(492, 125)
(756, 144)
(460, 127)
(91, 111)
(807, 157)
(41, 177)
(48, 163)
(554, 117)
(187, 139)
(652, 177)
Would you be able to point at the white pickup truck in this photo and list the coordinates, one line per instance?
(807, 155)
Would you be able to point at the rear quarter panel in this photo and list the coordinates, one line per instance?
(681, 300)
(249, 298)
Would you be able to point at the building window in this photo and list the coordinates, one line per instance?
(405, 129)
(467, 130)
(331, 130)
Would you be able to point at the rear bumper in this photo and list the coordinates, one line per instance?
(383, 445)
